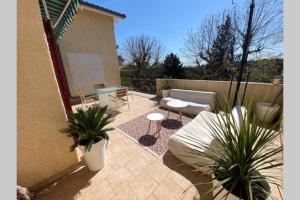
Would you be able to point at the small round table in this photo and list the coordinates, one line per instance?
(155, 117)
(177, 104)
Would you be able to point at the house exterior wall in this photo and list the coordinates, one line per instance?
(42, 151)
(91, 33)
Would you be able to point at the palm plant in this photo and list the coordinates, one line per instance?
(243, 156)
(88, 126)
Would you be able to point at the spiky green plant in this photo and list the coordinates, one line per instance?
(243, 156)
(88, 126)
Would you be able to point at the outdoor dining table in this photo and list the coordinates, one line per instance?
(103, 95)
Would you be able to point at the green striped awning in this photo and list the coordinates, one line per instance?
(55, 8)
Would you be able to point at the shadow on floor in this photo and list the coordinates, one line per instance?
(147, 140)
(156, 99)
(194, 177)
(69, 185)
(171, 124)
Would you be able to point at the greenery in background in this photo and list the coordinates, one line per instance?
(242, 156)
(88, 126)
(172, 67)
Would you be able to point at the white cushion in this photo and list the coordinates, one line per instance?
(197, 100)
(189, 138)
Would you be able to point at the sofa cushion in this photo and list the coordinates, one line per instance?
(192, 108)
(190, 137)
(194, 96)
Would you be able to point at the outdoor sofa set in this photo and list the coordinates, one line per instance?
(200, 103)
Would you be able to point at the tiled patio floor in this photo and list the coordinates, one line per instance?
(131, 172)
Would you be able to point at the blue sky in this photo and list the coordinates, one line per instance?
(166, 20)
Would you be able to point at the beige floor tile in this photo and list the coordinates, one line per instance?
(125, 194)
(157, 170)
(132, 151)
(151, 197)
(168, 189)
(101, 190)
(120, 179)
(190, 193)
(179, 179)
(103, 173)
(147, 155)
(117, 160)
(143, 185)
(136, 165)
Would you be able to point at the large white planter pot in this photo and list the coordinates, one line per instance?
(265, 112)
(96, 157)
(165, 93)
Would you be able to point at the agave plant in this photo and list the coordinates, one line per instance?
(88, 126)
(243, 156)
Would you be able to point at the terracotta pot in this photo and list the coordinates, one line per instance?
(96, 157)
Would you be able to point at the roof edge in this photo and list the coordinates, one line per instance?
(102, 9)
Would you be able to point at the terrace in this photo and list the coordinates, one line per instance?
(139, 164)
(131, 171)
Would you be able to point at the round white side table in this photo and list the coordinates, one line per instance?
(155, 117)
(178, 105)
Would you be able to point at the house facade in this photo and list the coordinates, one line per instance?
(88, 49)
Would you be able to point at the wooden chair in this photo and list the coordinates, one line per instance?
(121, 96)
(85, 99)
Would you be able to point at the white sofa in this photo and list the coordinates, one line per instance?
(197, 100)
(195, 134)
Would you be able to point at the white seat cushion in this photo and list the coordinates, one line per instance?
(190, 137)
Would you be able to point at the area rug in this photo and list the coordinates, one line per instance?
(137, 128)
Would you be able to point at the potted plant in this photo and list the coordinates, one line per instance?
(266, 112)
(88, 127)
(166, 86)
(242, 155)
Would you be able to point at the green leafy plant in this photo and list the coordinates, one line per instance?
(167, 84)
(88, 126)
(242, 155)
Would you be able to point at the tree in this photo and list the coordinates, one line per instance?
(142, 52)
(212, 46)
(121, 60)
(262, 30)
(222, 51)
(198, 44)
(172, 66)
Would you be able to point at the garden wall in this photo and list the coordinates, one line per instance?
(260, 92)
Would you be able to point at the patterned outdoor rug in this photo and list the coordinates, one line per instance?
(136, 129)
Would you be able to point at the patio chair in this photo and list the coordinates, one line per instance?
(85, 98)
(128, 83)
(121, 96)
